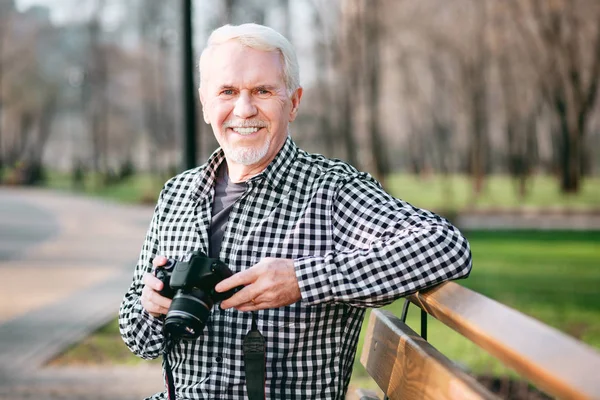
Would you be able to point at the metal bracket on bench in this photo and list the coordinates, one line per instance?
(423, 318)
(424, 324)
(405, 310)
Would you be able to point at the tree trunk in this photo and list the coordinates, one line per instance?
(570, 158)
(373, 58)
(479, 135)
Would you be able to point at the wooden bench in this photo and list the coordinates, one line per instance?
(406, 366)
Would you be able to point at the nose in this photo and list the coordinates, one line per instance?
(244, 107)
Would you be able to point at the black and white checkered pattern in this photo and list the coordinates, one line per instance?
(354, 246)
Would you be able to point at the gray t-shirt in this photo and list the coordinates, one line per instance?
(226, 194)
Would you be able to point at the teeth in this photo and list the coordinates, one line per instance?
(245, 131)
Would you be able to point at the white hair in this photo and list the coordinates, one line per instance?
(258, 37)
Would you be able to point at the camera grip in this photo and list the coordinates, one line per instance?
(163, 273)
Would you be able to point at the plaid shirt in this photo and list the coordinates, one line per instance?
(353, 245)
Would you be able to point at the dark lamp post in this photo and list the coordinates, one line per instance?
(189, 88)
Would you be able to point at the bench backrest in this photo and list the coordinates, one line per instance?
(405, 366)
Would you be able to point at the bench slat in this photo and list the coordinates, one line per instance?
(555, 362)
(407, 367)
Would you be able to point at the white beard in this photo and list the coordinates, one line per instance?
(247, 155)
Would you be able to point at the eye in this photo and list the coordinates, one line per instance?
(263, 92)
(227, 92)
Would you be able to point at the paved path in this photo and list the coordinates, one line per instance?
(66, 262)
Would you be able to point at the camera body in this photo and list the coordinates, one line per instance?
(191, 285)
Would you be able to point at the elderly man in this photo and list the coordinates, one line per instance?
(312, 241)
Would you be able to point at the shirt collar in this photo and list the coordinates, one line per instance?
(278, 170)
(275, 174)
(207, 175)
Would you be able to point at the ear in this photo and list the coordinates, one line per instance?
(296, 96)
(205, 116)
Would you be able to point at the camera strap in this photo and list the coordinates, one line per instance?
(169, 343)
(254, 362)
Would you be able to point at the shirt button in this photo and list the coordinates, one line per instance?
(218, 359)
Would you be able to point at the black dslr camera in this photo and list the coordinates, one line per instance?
(191, 285)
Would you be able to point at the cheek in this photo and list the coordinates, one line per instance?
(279, 111)
(219, 113)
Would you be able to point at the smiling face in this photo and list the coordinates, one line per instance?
(245, 99)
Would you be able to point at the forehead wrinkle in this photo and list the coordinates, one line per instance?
(229, 69)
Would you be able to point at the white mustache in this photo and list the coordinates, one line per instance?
(250, 123)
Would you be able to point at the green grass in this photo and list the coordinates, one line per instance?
(434, 192)
(105, 346)
(455, 193)
(140, 188)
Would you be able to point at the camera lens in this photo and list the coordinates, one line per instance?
(188, 314)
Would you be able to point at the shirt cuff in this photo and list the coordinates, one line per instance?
(313, 280)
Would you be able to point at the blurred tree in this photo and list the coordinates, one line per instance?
(442, 124)
(5, 11)
(94, 90)
(153, 59)
(227, 11)
(320, 101)
(28, 92)
(562, 40)
(521, 106)
(474, 70)
(372, 58)
(427, 31)
(347, 86)
(284, 5)
(435, 84)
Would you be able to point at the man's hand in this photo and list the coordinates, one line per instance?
(154, 303)
(271, 283)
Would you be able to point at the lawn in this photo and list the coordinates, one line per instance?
(455, 192)
(434, 192)
(140, 188)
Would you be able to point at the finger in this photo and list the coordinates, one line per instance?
(244, 296)
(153, 302)
(159, 261)
(243, 278)
(160, 301)
(155, 309)
(153, 282)
(149, 306)
(250, 307)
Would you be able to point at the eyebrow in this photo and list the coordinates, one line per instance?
(266, 87)
(262, 86)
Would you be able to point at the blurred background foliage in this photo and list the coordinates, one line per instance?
(90, 90)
